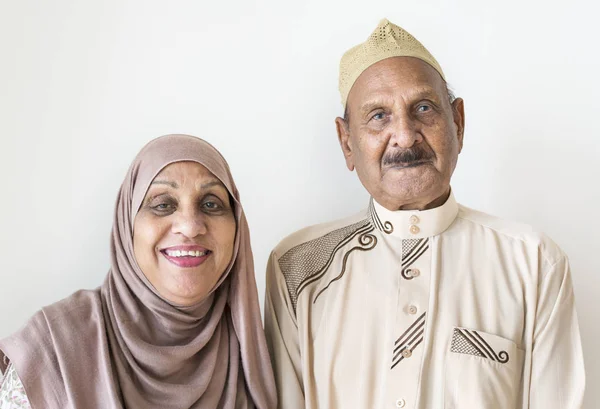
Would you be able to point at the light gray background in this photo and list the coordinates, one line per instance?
(85, 84)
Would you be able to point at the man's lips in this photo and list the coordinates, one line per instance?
(408, 164)
(186, 256)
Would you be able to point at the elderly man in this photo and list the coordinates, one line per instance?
(417, 302)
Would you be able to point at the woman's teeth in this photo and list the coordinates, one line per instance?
(183, 253)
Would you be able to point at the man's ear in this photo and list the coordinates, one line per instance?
(343, 131)
(458, 111)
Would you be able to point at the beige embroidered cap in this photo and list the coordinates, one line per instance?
(388, 40)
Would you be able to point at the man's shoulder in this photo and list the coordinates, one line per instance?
(511, 230)
(305, 256)
(328, 232)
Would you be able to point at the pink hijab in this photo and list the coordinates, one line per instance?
(124, 346)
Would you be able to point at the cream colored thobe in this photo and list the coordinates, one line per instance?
(443, 308)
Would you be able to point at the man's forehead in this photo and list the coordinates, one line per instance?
(407, 76)
(404, 69)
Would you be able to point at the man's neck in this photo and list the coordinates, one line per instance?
(437, 202)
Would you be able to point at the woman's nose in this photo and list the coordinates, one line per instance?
(190, 223)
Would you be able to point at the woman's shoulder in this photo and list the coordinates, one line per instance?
(60, 323)
(79, 310)
(12, 392)
(83, 303)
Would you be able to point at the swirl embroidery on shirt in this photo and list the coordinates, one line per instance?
(309, 261)
(366, 242)
(471, 343)
(385, 227)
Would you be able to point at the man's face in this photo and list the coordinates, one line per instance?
(402, 134)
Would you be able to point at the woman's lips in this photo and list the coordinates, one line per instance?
(186, 256)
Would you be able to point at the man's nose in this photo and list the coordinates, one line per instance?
(404, 132)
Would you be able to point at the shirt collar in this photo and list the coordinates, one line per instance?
(414, 224)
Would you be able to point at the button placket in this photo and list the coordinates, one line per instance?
(411, 303)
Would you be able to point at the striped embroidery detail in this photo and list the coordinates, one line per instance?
(412, 249)
(408, 341)
(469, 342)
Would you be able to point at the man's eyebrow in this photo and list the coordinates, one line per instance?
(371, 105)
(165, 182)
(425, 92)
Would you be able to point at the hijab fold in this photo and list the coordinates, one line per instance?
(123, 345)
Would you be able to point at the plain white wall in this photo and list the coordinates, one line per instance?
(84, 85)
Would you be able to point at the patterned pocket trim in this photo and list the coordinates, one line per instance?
(470, 342)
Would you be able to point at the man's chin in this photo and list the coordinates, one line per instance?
(413, 181)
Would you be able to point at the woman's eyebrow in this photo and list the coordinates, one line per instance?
(174, 185)
(211, 184)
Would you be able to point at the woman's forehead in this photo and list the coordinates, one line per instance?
(186, 173)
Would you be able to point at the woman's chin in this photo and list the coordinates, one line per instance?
(184, 298)
(187, 287)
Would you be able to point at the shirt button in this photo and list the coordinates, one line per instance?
(414, 229)
(407, 353)
(400, 403)
(412, 309)
(413, 219)
(414, 272)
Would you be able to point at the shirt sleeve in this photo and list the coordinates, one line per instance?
(557, 371)
(283, 339)
(12, 392)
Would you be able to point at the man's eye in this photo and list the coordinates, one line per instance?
(378, 116)
(423, 108)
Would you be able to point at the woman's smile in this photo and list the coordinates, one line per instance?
(186, 256)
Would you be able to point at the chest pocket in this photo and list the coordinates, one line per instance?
(483, 371)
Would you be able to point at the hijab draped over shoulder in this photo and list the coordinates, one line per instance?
(124, 346)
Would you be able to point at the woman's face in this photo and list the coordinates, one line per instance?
(184, 232)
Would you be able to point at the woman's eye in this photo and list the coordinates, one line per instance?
(162, 207)
(211, 205)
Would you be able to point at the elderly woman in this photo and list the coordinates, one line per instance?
(176, 323)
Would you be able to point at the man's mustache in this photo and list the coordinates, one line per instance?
(407, 156)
